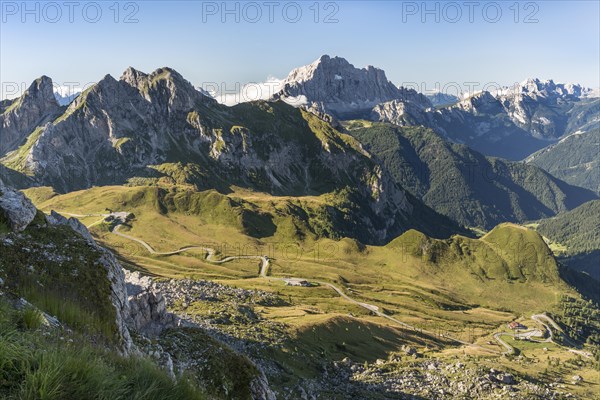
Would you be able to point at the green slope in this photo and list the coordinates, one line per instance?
(578, 231)
(463, 184)
(575, 159)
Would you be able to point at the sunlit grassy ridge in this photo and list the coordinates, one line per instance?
(460, 287)
(38, 364)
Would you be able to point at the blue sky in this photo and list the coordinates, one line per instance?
(191, 37)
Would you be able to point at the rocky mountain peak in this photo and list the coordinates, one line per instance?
(133, 77)
(483, 102)
(41, 91)
(165, 86)
(534, 88)
(331, 85)
(20, 117)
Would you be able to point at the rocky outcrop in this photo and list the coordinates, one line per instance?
(148, 312)
(180, 351)
(400, 113)
(16, 210)
(56, 219)
(260, 389)
(20, 118)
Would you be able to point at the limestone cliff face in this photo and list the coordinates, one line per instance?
(334, 86)
(20, 117)
(148, 311)
(400, 113)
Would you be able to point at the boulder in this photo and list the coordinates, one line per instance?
(16, 210)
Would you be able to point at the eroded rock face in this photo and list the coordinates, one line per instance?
(16, 210)
(148, 312)
(19, 118)
(260, 388)
(400, 113)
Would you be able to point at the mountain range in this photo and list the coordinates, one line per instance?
(148, 127)
(575, 158)
(510, 123)
(463, 184)
(577, 234)
(346, 238)
(342, 127)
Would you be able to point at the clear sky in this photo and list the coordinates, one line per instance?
(431, 42)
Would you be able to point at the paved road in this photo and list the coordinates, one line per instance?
(508, 347)
(210, 252)
(540, 318)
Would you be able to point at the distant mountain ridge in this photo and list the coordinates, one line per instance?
(575, 158)
(512, 122)
(21, 116)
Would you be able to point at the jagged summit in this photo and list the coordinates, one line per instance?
(544, 88)
(41, 89)
(133, 76)
(165, 84)
(334, 86)
(21, 116)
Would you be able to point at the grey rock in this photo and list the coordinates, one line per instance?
(148, 313)
(34, 108)
(400, 113)
(16, 209)
(333, 86)
(260, 388)
(56, 219)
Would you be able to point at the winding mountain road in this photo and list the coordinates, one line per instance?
(508, 347)
(264, 266)
(120, 217)
(540, 318)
